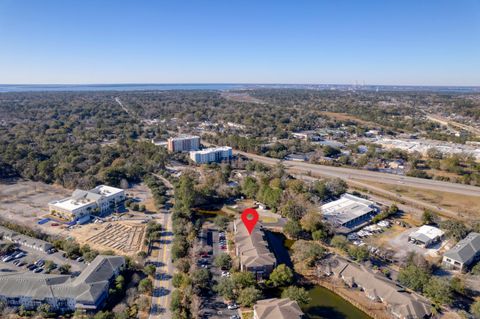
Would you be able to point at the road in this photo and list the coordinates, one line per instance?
(367, 177)
(162, 285)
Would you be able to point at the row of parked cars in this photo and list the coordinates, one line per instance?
(17, 257)
(222, 240)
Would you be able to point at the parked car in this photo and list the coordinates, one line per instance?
(16, 262)
(20, 255)
(7, 259)
(40, 263)
(235, 317)
(79, 259)
(31, 266)
(232, 306)
(37, 270)
(21, 264)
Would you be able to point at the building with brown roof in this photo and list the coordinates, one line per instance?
(277, 309)
(253, 251)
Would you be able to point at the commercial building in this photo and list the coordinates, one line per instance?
(99, 200)
(185, 143)
(253, 250)
(400, 303)
(25, 241)
(307, 135)
(213, 154)
(426, 236)
(88, 291)
(464, 253)
(275, 308)
(349, 213)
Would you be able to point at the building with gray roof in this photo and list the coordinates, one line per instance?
(24, 240)
(253, 250)
(399, 302)
(464, 253)
(88, 291)
(349, 213)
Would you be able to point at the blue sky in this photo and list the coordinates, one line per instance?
(429, 42)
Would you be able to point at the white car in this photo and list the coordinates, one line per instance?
(225, 274)
(20, 255)
(232, 306)
(7, 259)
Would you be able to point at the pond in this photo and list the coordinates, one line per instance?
(326, 304)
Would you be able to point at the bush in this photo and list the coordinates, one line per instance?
(281, 276)
(298, 294)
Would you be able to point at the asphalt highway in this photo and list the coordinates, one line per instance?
(356, 175)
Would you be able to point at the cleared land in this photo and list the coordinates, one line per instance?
(466, 207)
(24, 202)
(122, 237)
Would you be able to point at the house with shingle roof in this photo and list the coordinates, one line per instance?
(275, 308)
(24, 240)
(401, 303)
(464, 253)
(253, 250)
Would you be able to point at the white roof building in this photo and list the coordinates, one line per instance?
(349, 212)
(426, 235)
(83, 203)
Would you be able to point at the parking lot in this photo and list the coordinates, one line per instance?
(213, 306)
(32, 256)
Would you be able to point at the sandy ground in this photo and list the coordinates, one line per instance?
(400, 244)
(122, 237)
(25, 202)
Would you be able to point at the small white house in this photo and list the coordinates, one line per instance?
(426, 235)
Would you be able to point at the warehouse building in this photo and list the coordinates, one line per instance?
(426, 236)
(464, 253)
(99, 200)
(211, 155)
(349, 213)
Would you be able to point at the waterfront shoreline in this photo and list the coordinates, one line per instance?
(372, 309)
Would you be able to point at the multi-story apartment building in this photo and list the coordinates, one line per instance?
(213, 154)
(253, 250)
(88, 291)
(184, 143)
(99, 200)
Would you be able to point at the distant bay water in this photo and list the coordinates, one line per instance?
(227, 86)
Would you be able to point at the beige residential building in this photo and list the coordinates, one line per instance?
(277, 309)
(400, 303)
(253, 250)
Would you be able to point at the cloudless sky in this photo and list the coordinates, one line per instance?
(423, 42)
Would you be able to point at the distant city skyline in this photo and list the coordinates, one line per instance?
(431, 43)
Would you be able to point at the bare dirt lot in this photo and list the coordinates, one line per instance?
(122, 237)
(24, 202)
(396, 239)
(466, 206)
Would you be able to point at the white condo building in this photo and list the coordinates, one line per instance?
(213, 154)
(98, 200)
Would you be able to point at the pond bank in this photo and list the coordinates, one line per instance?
(352, 303)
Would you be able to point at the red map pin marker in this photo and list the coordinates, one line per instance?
(250, 219)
